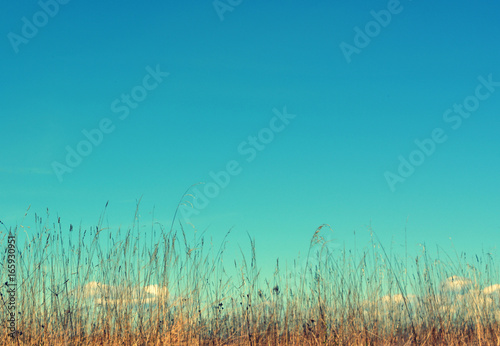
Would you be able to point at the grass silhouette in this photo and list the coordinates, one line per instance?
(115, 289)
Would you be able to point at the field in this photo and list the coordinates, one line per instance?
(111, 287)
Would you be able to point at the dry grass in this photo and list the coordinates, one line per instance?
(125, 289)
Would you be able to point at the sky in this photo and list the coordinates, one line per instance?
(378, 116)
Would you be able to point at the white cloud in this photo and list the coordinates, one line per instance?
(456, 295)
(456, 284)
(108, 294)
(493, 289)
(155, 290)
(397, 299)
(95, 288)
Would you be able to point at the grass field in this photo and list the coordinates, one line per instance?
(112, 288)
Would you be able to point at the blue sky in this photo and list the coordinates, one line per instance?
(328, 165)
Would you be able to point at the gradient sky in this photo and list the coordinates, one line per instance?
(353, 119)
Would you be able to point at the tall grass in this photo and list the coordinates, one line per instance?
(117, 287)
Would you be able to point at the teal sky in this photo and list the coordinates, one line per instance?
(354, 116)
